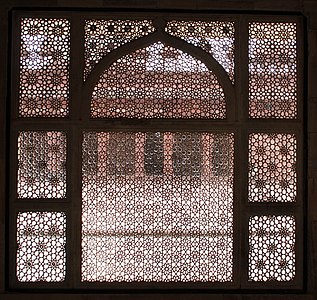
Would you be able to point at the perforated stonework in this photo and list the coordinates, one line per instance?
(272, 167)
(158, 82)
(216, 38)
(272, 248)
(103, 36)
(41, 239)
(157, 207)
(41, 164)
(272, 70)
(44, 68)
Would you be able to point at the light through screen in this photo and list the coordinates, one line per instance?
(157, 207)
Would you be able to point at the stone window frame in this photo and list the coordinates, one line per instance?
(79, 120)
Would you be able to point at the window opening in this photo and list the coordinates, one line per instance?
(158, 200)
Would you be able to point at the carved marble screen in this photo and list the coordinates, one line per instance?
(157, 206)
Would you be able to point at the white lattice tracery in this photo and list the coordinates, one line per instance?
(41, 164)
(44, 67)
(272, 248)
(158, 82)
(272, 70)
(272, 167)
(216, 38)
(41, 239)
(157, 207)
(103, 36)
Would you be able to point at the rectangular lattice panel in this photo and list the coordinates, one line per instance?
(272, 70)
(271, 248)
(157, 207)
(272, 167)
(41, 239)
(44, 67)
(41, 164)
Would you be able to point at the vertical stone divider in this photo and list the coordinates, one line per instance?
(74, 150)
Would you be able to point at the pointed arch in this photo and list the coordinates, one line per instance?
(211, 64)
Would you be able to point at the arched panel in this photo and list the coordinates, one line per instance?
(195, 52)
(158, 81)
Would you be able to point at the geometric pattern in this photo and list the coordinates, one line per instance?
(157, 207)
(272, 248)
(44, 67)
(103, 36)
(158, 81)
(41, 164)
(272, 70)
(41, 253)
(216, 38)
(272, 167)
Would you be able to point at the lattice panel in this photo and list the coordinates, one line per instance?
(272, 248)
(216, 38)
(272, 167)
(272, 70)
(103, 36)
(41, 239)
(164, 213)
(158, 82)
(44, 67)
(41, 164)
